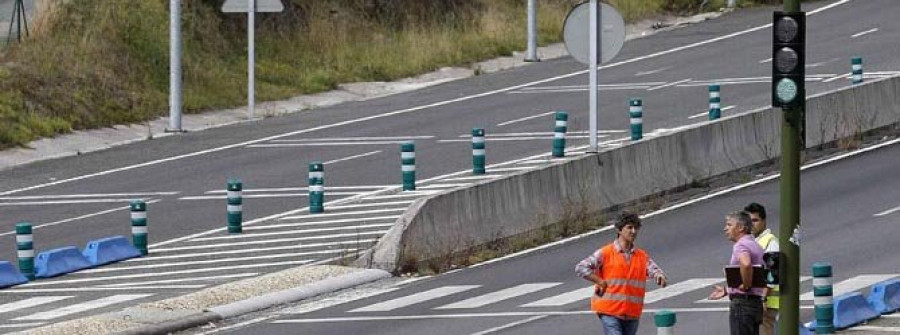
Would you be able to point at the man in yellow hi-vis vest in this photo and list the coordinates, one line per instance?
(769, 243)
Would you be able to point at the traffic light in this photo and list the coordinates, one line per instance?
(771, 259)
(788, 60)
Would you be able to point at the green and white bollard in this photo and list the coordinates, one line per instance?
(25, 249)
(636, 110)
(665, 322)
(139, 225)
(824, 302)
(235, 206)
(559, 134)
(715, 102)
(857, 70)
(316, 187)
(478, 158)
(408, 165)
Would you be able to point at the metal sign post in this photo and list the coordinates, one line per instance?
(175, 101)
(594, 33)
(251, 7)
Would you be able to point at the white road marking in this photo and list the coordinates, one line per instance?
(525, 119)
(765, 60)
(322, 144)
(864, 328)
(441, 186)
(403, 203)
(888, 212)
(498, 296)
(523, 138)
(353, 213)
(100, 288)
(278, 240)
(725, 300)
(669, 84)
(265, 196)
(512, 169)
(361, 139)
(78, 196)
(477, 177)
(50, 224)
(544, 133)
(65, 202)
(293, 255)
(296, 232)
(404, 194)
(644, 73)
(580, 294)
(318, 223)
(301, 189)
(707, 113)
(30, 302)
(864, 33)
(353, 157)
(159, 274)
(679, 289)
(582, 89)
(852, 284)
(22, 325)
(836, 77)
(413, 299)
(409, 110)
(339, 245)
(182, 280)
(510, 325)
(82, 307)
(489, 315)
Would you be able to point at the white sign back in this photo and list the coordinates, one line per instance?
(576, 33)
(262, 6)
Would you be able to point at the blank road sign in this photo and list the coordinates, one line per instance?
(262, 6)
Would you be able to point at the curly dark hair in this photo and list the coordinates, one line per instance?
(627, 217)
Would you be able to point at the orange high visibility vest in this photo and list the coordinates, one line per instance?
(624, 295)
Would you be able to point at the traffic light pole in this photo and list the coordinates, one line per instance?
(789, 302)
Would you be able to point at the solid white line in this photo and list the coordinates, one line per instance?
(545, 133)
(262, 196)
(523, 138)
(192, 279)
(511, 325)
(82, 307)
(23, 325)
(584, 87)
(66, 202)
(50, 224)
(237, 325)
(295, 232)
(415, 298)
(78, 290)
(707, 113)
(302, 189)
(403, 203)
(412, 109)
(279, 240)
(888, 212)
(363, 139)
(765, 60)
(30, 302)
(324, 144)
(353, 213)
(478, 177)
(669, 84)
(644, 73)
(440, 186)
(486, 315)
(836, 77)
(352, 157)
(512, 169)
(864, 33)
(317, 223)
(162, 274)
(524, 119)
(679, 289)
(498, 296)
(852, 284)
(563, 299)
(76, 196)
(338, 245)
(292, 255)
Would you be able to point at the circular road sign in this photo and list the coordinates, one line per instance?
(576, 32)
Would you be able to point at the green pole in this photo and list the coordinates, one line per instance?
(789, 300)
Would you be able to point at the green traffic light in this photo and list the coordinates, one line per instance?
(786, 90)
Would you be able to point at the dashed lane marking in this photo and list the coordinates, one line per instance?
(863, 33)
(525, 119)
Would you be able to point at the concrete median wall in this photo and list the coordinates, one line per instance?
(460, 219)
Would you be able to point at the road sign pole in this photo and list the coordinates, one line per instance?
(594, 45)
(174, 66)
(532, 32)
(792, 121)
(251, 57)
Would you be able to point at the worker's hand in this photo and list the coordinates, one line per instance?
(743, 287)
(600, 288)
(717, 293)
(661, 281)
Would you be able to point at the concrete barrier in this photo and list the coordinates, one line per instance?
(459, 219)
(109, 249)
(59, 261)
(850, 309)
(10, 276)
(885, 296)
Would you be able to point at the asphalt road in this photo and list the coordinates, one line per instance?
(850, 219)
(73, 200)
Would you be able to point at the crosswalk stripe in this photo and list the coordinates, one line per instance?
(356, 227)
(329, 245)
(351, 213)
(679, 288)
(182, 280)
(563, 299)
(317, 223)
(852, 284)
(725, 300)
(22, 325)
(497, 296)
(293, 255)
(30, 302)
(82, 307)
(412, 299)
(353, 237)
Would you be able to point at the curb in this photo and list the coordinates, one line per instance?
(258, 303)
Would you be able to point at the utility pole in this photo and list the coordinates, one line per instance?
(788, 93)
(175, 101)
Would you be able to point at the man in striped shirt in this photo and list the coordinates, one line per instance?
(614, 271)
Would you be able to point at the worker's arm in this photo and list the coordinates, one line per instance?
(746, 271)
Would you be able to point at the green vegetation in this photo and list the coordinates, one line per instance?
(94, 63)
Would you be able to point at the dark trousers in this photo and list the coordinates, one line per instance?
(745, 315)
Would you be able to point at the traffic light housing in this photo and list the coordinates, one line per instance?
(772, 262)
(789, 60)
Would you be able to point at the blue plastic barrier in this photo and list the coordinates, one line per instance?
(850, 309)
(59, 261)
(109, 249)
(885, 296)
(10, 276)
